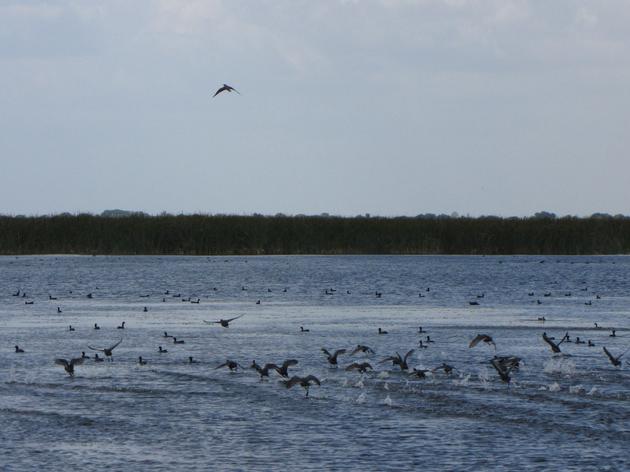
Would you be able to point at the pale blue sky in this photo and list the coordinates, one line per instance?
(392, 107)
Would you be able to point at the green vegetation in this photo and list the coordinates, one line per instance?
(138, 233)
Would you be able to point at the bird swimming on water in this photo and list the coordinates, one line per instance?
(302, 330)
(69, 366)
(141, 361)
(122, 326)
(225, 88)
(18, 349)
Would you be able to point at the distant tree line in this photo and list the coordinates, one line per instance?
(138, 233)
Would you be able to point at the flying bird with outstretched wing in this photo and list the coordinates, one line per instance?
(225, 88)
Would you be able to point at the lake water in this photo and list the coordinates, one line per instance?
(567, 412)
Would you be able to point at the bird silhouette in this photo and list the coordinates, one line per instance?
(362, 367)
(332, 358)
(108, 350)
(225, 88)
(69, 366)
(616, 361)
(232, 365)
(399, 360)
(283, 370)
(554, 347)
(482, 337)
(304, 382)
(222, 322)
(263, 371)
(502, 370)
(362, 348)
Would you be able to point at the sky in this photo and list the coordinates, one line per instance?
(387, 107)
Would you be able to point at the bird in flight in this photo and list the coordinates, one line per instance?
(362, 367)
(304, 382)
(69, 366)
(399, 360)
(108, 350)
(225, 88)
(332, 358)
(222, 322)
(482, 337)
(616, 361)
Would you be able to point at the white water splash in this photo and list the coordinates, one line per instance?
(554, 387)
(576, 389)
(559, 365)
(388, 401)
(385, 386)
(361, 398)
(463, 382)
(383, 375)
(359, 384)
(592, 391)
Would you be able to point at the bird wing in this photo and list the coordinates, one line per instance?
(554, 346)
(312, 378)
(111, 348)
(270, 366)
(233, 89)
(497, 365)
(339, 351)
(476, 340)
(62, 362)
(610, 356)
(289, 362)
(76, 361)
(225, 364)
(353, 366)
(355, 350)
(221, 89)
(95, 348)
(325, 351)
(366, 365)
(370, 350)
(390, 358)
(408, 354)
(292, 381)
(232, 319)
(211, 322)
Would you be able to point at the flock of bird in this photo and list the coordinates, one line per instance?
(504, 365)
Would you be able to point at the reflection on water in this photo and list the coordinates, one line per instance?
(568, 412)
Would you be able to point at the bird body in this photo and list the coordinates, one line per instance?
(502, 370)
(361, 367)
(399, 360)
(69, 366)
(225, 88)
(363, 349)
(108, 350)
(482, 337)
(554, 347)
(304, 382)
(222, 322)
(232, 365)
(332, 358)
(616, 361)
(283, 370)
